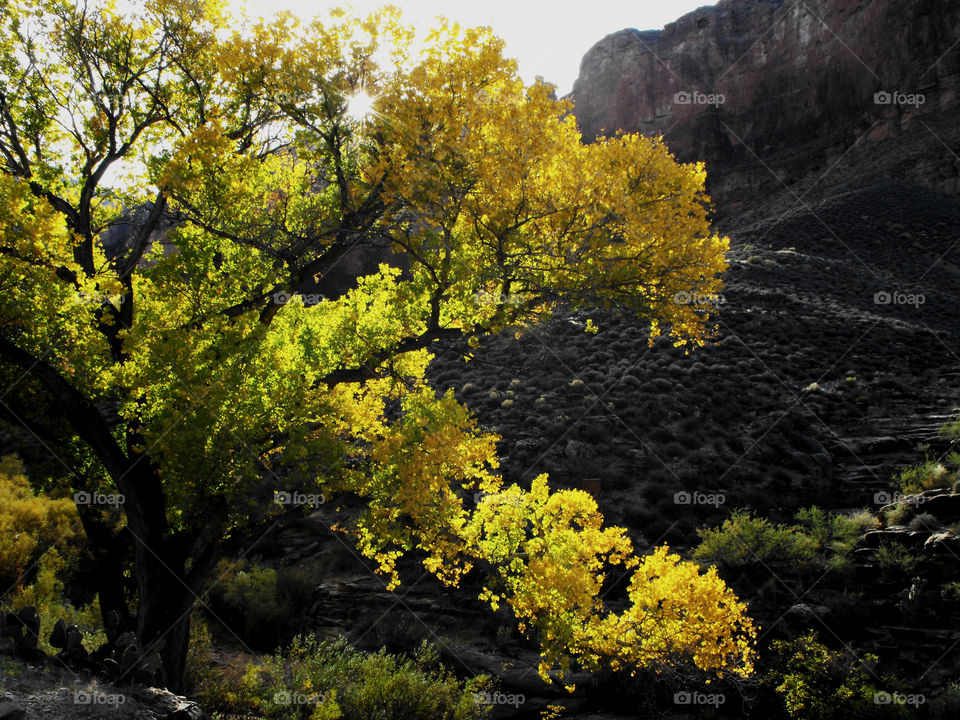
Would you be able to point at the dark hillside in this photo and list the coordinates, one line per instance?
(810, 393)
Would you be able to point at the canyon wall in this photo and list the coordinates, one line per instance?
(768, 91)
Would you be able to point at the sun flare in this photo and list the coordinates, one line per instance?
(360, 105)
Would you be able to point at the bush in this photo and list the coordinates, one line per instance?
(928, 475)
(262, 604)
(329, 680)
(895, 560)
(947, 704)
(262, 601)
(40, 538)
(924, 522)
(46, 594)
(31, 524)
(817, 683)
(744, 540)
(834, 534)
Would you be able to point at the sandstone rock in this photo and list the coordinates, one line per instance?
(942, 505)
(746, 86)
(802, 616)
(894, 534)
(125, 640)
(943, 543)
(167, 706)
(576, 449)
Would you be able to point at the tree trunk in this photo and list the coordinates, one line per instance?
(163, 616)
(167, 594)
(109, 551)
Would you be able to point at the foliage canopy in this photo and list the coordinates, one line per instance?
(169, 182)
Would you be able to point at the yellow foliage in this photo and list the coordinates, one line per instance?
(30, 524)
(224, 381)
(553, 557)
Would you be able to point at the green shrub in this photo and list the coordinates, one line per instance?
(46, 594)
(951, 429)
(928, 475)
(252, 597)
(324, 680)
(262, 604)
(899, 513)
(950, 591)
(894, 560)
(817, 683)
(834, 534)
(744, 540)
(199, 663)
(11, 667)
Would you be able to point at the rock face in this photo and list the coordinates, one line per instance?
(767, 91)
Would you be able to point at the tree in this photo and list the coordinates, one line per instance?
(179, 369)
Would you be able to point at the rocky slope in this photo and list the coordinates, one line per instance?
(766, 92)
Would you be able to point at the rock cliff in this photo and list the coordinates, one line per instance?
(769, 91)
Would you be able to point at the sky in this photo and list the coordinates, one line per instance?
(546, 38)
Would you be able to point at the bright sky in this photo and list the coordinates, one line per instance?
(547, 38)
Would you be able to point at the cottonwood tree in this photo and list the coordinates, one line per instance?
(178, 368)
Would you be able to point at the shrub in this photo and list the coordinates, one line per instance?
(894, 560)
(951, 429)
(834, 534)
(31, 524)
(39, 542)
(817, 683)
(928, 475)
(950, 591)
(199, 652)
(743, 540)
(924, 522)
(46, 594)
(253, 600)
(947, 705)
(329, 679)
(899, 512)
(264, 603)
